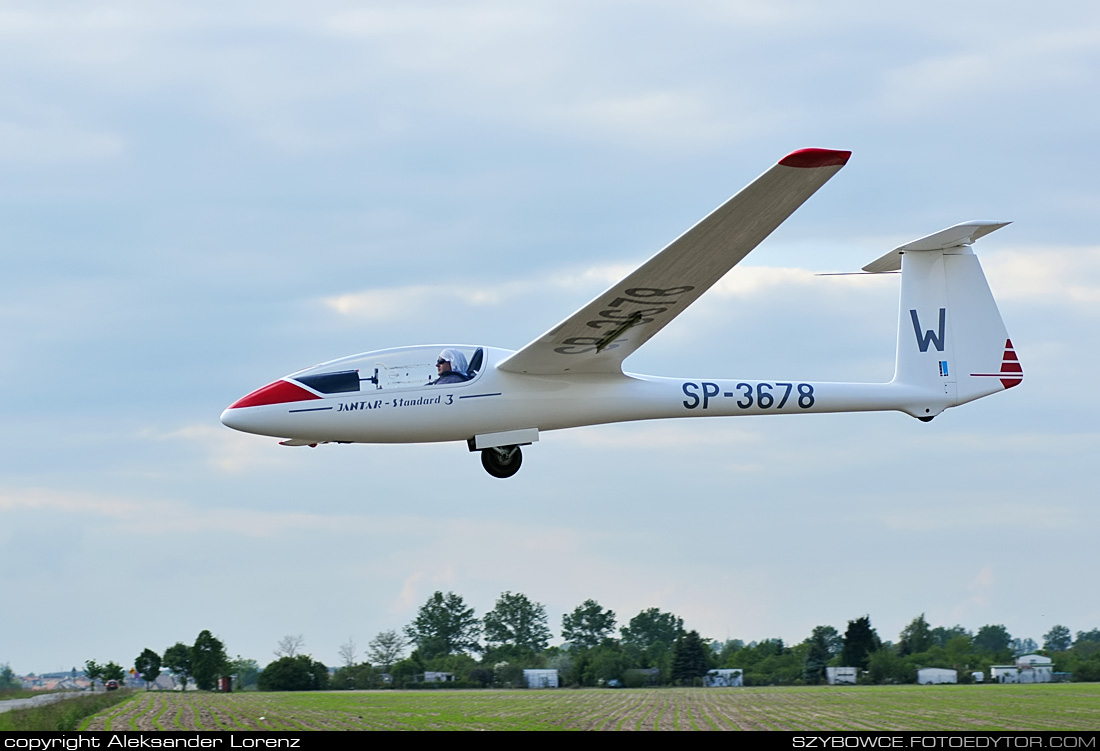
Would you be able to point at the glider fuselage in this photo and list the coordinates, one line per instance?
(497, 401)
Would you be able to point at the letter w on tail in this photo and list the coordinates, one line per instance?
(930, 336)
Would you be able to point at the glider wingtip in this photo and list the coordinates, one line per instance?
(809, 158)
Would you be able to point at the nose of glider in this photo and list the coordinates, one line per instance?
(231, 419)
(239, 416)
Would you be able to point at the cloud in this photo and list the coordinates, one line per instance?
(226, 450)
(1009, 66)
(668, 118)
(150, 516)
(395, 303)
(1044, 275)
(664, 435)
(979, 517)
(49, 142)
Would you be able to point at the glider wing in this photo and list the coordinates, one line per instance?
(599, 336)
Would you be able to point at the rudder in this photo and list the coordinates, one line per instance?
(952, 343)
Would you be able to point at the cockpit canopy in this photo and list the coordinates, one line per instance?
(386, 370)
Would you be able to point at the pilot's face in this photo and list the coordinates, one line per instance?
(442, 366)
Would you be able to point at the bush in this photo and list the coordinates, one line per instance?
(299, 673)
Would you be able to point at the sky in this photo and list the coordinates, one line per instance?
(197, 198)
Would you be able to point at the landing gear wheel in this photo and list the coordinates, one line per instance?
(501, 461)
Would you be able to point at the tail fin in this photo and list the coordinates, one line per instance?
(952, 342)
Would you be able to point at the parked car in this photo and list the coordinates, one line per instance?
(112, 685)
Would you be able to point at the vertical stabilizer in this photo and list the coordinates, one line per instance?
(952, 343)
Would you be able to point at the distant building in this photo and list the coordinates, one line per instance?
(927, 676)
(841, 676)
(1035, 669)
(437, 677)
(1004, 674)
(540, 678)
(724, 677)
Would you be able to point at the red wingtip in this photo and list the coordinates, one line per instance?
(808, 158)
(274, 393)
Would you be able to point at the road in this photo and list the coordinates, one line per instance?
(38, 701)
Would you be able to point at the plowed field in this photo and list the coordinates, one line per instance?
(930, 708)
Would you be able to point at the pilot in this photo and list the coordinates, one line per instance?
(451, 367)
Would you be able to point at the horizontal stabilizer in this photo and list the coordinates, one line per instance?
(952, 237)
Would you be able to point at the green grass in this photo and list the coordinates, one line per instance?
(929, 708)
(66, 714)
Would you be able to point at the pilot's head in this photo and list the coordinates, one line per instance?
(451, 359)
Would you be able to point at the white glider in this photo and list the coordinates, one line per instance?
(952, 349)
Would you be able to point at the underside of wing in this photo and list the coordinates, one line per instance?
(598, 337)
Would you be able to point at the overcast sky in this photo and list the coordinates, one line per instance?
(196, 199)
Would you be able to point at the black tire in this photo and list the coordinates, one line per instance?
(503, 461)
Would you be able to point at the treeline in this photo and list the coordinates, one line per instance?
(771, 662)
(652, 648)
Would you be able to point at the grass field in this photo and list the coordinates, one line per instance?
(67, 714)
(1063, 706)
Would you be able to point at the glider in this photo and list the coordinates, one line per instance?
(952, 349)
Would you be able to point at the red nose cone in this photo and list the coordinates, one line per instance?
(274, 393)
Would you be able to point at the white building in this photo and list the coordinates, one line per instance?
(927, 676)
(841, 676)
(1035, 669)
(438, 677)
(540, 678)
(724, 677)
(1004, 674)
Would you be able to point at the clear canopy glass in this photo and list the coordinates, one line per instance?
(392, 369)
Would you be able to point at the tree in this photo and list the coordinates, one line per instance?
(1022, 647)
(884, 666)
(1058, 639)
(587, 625)
(290, 645)
(1089, 636)
(444, 626)
(8, 680)
(992, 639)
(385, 649)
(299, 673)
(689, 659)
(208, 661)
(177, 658)
(959, 650)
(652, 629)
(941, 635)
(358, 676)
(813, 672)
(348, 652)
(147, 665)
(916, 637)
(247, 672)
(516, 621)
(114, 672)
(94, 671)
(1087, 644)
(860, 640)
